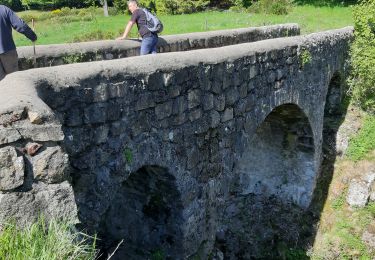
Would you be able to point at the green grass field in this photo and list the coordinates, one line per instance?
(310, 18)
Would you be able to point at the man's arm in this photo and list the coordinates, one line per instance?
(20, 26)
(127, 30)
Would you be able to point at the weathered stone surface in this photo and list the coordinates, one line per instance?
(35, 118)
(358, 193)
(372, 192)
(212, 151)
(228, 115)
(368, 235)
(8, 135)
(11, 169)
(163, 110)
(53, 201)
(58, 54)
(194, 98)
(51, 165)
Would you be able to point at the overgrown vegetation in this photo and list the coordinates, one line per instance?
(364, 142)
(42, 241)
(362, 81)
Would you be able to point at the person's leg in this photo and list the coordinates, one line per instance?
(154, 44)
(146, 46)
(2, 72)
(10, 61)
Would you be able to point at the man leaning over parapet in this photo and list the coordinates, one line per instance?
(8, 53)
(139, 17)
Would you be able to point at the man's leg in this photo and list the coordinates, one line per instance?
(155, 43)
(2, 72)
(9, 61)
(146, 46)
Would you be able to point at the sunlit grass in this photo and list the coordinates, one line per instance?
(310, 18)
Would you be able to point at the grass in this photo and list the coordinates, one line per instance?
(40, 241)
(364, 142)
(310, 18)
(341, 228)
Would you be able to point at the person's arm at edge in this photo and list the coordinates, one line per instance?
(20, 26)
(127, 30)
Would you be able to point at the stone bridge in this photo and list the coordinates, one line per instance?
(154, 149)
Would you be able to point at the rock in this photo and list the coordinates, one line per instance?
(368, 236)
(372, 192)
(52, 201)
(51, 165)
(32, 148)
(8, 135)
(217, 254)
(358, 194)
(35, 118)
(11, 169)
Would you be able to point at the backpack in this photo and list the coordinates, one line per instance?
(153, 24)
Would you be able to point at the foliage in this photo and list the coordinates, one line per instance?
(362, 80)
(364, 142)
(15, 5)
(180, 6)
(40, 240)
(331, 3)
(278, 7)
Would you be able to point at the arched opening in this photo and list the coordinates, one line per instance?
(146, 216)
(279, 160)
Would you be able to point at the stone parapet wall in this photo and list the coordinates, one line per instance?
(186, 121)
(58, 54)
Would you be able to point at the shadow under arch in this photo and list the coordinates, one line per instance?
(279, 160)
(146, 214)
(266, 214)
(263, 221)
(335, 109)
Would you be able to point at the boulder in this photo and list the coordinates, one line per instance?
(11, 169)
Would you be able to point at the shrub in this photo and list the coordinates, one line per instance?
(94, 36)
(40, 240)
(180, 6)
(278, 7)
(15, 5)
(362, 79)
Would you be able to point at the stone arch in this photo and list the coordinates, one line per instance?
(279, 158)
(146, 213)
(334, 96)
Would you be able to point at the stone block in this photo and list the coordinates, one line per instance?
(208, 102)
(53, 201)
(164, 110)
(358, 194)
(195, 114)
(74, 117)
(8, 135)
(35, 117)
(12, 169)
(174, 91)
(271, 77)
(227, 115)
(51, 165)
(145, 101)
(100, 134)
(231, 96)
(214, 119)
(95, 113)
(194, 98)
(100, 93)
(219, 103)
(254, 70)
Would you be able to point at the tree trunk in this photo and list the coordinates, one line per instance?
(105, 8)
